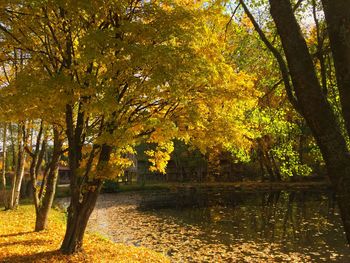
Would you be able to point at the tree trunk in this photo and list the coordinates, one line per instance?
(337, 13)
(14, 165)
(268, 166)
(314, 106)
(12, 191)
(18, 180)
(278, 175)
(267, 161)
(20, 167)
(13, 148)
(50, 183)
(3, 173)
(80, 209)
(34, 153)
(43, 211)
(78, 217)
(261, 164)
(19, 172)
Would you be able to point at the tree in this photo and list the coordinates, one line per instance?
(121, 73)
(44, 190)
(12, 64)
(307, 96)
(337, 15)
(3, 172)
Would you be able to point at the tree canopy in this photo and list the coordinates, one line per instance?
(94, 80)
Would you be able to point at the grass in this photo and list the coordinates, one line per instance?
(18, 242)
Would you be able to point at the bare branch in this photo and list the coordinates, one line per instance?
(280, 60)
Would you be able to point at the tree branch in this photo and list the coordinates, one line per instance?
(280, 60)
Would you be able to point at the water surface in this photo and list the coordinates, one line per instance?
(196, 226)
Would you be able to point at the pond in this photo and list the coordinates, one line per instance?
(223, 226)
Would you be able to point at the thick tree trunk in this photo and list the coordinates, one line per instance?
(314, 106)
(337, 14)
(78, 217)
(79, 210)
(43, 210)
(41, 220)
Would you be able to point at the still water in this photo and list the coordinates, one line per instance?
(219, 226)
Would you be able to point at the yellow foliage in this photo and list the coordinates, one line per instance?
(159, 158)
(165, 72)
(19, 243)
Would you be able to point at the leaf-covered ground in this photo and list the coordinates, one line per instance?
(226, 235)
(18, 242)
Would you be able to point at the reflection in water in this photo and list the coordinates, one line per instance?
(231, 227)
